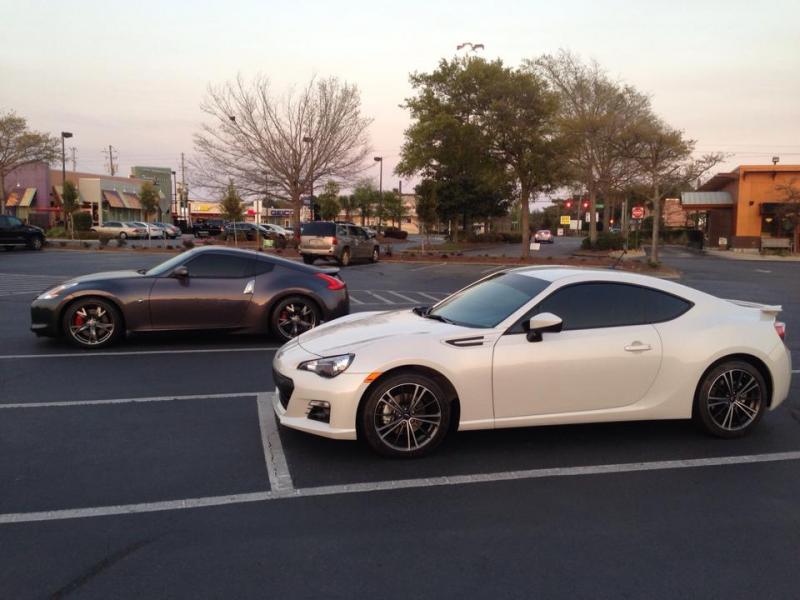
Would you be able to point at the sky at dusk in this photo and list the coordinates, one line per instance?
(132, 74)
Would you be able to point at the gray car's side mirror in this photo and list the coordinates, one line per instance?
(542, 323)
(180, 272)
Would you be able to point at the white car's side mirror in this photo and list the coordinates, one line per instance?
(543, 323)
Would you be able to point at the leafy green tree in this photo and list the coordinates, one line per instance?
(69, 204)
(365, 197)
(393, 209)
(426, 192)
(148, 197)
(482, 130)
(328, 203)
(348, 204)
(20, 146)
(231, 205)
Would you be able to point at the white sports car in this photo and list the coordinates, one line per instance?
(535, 346)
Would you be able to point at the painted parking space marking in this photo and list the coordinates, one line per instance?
(94, 354)
(401, 296)
(381, 298)
(426, 267)
(355, 300)
(17, 405)
(280, 479)
(429, 297)
(361, 488)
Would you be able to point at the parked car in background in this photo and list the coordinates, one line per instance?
(14, 233)
(153, 230)
(171, 230)
(277, 229)
(341, 242)
(536, 346)
(372, 233)
(207, 227)
(209, 289)
(543, 236)
(242, 229)
(120, 230)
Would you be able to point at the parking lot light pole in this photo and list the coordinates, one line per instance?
(64, 136)
(379, 159)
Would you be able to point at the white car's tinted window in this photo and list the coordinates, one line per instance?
(490, 301)
(600, 304)
(113, 224)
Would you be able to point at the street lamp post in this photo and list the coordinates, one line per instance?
(64, 136)
(310, 141)
(175, 196)
(379, 159)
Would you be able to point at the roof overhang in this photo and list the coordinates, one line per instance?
(706, 199)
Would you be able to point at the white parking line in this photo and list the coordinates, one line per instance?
(411, 300)
(280, 479)
(429, 296)
(427, 267)
(92, 354)
(360, 488)
(124, 400)
(381, 298)
(355, 300)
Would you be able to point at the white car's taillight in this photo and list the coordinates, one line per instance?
(780, 329)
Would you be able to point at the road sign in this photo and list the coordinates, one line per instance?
(637, 212)
(565, 219)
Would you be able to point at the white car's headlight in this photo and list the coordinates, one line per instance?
(329, 366)
(57, 291)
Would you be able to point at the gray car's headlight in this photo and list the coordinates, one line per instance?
(329, 366)
(56, 291)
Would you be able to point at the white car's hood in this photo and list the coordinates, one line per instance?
(353, 332)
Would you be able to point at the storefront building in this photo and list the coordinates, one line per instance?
(749, 208)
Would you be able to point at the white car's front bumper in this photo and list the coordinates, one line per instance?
(342, 392)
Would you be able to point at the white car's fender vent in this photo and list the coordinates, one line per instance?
(466, 342)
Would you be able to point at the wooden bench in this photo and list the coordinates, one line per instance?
(776, 243)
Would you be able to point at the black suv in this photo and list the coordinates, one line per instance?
(207, 228)
(14, 232)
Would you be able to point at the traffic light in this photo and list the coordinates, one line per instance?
(585, 204)
(568, 204)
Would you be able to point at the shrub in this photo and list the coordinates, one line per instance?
(56, 232)
(695, 238)
(609, 241)
(188, 243)
(104, 239)
(82, 221)
(122, 243)
(395, 232)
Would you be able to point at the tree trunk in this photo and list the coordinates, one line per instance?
(297, 203)
(593, 215)
(524, 220)
(2, 194)
(656, 223)
(606, 209)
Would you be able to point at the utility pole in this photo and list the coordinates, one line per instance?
(110, 155)
(184, 194)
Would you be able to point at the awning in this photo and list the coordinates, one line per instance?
(689, 199)
(21, 197)
(131, 201)
(114, 200)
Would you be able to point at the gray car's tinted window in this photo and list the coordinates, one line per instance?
(319, 228)
(225, 266)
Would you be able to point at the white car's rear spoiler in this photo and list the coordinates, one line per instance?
(767, 309)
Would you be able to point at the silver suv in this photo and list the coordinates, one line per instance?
(342, 242)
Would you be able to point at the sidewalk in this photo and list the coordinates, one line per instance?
(730, 255)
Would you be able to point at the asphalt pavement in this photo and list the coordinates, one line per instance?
(110, 487)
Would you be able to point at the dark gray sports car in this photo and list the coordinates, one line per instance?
(203, 289)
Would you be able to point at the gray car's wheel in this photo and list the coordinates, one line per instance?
(293, 316)
(92, 323)
(308, 259)
(731, 399)
(405, 416)
(345, 259)
(376, 254)
(123, 235)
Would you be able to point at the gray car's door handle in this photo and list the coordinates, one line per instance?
(250, 287)
(638, 347)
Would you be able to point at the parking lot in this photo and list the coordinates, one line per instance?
(156, 469)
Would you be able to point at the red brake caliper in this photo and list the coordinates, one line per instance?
(78, 320)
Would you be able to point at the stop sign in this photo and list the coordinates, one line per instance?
(637, 212)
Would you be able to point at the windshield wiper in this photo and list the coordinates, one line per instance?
(435, 317)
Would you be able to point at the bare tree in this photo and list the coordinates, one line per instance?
(20, 146)
(664, 159)
(297, 139)
(595, 112)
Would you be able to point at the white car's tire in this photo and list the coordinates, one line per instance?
(731, 399)
(407, 415)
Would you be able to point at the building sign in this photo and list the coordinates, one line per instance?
(280, 212)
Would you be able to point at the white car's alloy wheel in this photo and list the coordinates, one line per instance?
(732, 399)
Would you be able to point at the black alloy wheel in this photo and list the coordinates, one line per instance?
(405, 416)
(293, 316)
(92, 323)
(36, 243)
(731, 399)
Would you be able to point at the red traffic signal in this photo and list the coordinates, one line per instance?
(585, 204)
(568, 204)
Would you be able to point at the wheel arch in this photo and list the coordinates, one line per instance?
(756, 362)
(283, 294)
(441, 379)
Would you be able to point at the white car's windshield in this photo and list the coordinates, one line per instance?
(490, 301)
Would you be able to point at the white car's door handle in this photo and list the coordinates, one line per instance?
(250, 287)
(638, 347)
